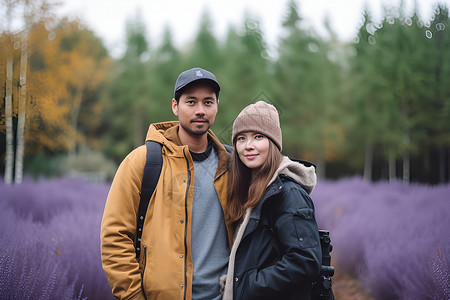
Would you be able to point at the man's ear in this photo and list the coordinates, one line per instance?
(175, 107)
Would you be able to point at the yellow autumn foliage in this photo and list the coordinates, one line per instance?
(64, 64)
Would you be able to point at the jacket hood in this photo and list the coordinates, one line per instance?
(299, 172)
(166, 133)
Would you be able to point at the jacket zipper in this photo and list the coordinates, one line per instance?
(143, 271)
(186, 222)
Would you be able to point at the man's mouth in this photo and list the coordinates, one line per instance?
(200, 121)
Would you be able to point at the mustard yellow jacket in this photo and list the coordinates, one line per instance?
(164, 269)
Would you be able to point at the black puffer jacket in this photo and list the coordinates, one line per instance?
(279, 254)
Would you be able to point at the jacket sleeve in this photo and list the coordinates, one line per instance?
(118, 230)
(295, 229)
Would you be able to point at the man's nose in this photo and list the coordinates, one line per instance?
(200, 110)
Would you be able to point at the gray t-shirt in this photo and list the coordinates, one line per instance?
(209, 245)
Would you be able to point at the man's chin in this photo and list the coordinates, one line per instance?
(197, 131)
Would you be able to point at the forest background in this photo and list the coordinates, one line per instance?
(378, 106)
(373, 114)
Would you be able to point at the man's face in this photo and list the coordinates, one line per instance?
(196, 109)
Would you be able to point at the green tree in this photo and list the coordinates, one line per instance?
(376, 110)
(362, 77)
(401, 47)
(245, 75)
(165, 66)
(438, 106)
(205, 51)
(128, 98)
(308, 78)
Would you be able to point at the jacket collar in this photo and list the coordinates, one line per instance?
(299, 171)
(274, 188)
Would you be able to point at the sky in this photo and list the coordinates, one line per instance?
(108, 18)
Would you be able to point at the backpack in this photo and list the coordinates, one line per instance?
(152, 171)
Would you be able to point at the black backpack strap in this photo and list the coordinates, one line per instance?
(304, 162)
(152, 170)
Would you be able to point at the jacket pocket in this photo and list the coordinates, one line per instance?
(306, 228)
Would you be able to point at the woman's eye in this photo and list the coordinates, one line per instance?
(259, 136)
(240, 138)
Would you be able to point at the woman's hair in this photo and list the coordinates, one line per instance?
(246, 188)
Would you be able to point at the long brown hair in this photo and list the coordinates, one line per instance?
(246, 186)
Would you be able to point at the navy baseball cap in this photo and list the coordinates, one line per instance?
(194, 74)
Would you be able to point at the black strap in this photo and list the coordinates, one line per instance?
(304, 162)
(152, 170)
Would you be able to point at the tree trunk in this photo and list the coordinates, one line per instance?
(406, 168)
(9, 122)
(406, 161)
(320, 166)
(441, 165)
(22, 102)
(391, 166)
(448, 166)
(78, 98)
(368, 161)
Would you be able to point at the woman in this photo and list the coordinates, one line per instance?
(276, 253)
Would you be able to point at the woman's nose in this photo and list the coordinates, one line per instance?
(249, 144)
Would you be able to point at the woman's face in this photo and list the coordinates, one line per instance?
(252, 148)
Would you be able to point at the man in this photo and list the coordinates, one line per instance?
(185, 241)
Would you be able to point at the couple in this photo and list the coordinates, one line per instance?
(216, 227)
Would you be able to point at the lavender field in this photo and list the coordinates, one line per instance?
(393, 237)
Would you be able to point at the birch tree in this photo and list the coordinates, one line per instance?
(7, 47)
(9, 125)
(20, 137)
(25, 13)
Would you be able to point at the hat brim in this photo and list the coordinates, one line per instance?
(207, 81)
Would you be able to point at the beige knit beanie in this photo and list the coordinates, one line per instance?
(260, 117)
